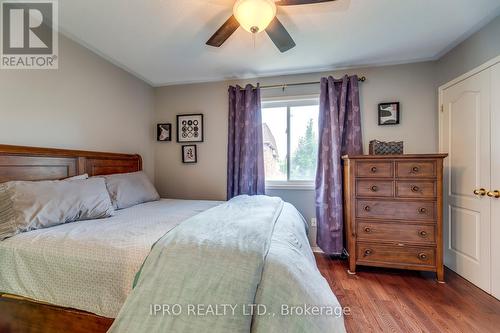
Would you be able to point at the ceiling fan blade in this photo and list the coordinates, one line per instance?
(224, 32)
(280, 37)
(299, 2)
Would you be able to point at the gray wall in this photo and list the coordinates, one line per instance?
(304, 201)
(473, 52)
(87, 104)
(413, 85)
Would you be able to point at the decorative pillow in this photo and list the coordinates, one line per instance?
(26, 205)
(130, 189)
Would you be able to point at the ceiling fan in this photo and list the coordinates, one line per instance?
(256, 16)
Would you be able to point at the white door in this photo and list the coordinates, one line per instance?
(495, 181)
(465, 135)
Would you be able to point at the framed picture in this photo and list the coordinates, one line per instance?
(164, 132)
(190, 128)
(388, 113)
(189, 154)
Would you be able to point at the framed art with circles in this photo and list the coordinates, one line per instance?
(190, 128)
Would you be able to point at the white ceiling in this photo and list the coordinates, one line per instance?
(163, 41)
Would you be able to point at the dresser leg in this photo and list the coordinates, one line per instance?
(352, 267)
(440, 275)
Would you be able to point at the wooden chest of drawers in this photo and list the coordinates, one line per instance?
(393, 211)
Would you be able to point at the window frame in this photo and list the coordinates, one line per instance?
(288, 102)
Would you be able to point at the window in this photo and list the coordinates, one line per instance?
(290, 133)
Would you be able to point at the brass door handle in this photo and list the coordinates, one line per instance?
(493, 194)
(481, 192)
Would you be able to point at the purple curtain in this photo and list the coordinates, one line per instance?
(245, 160)
(339, 134)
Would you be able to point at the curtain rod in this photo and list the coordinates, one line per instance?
(286, 85)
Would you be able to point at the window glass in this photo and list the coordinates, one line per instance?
(303, 142)
(274, 132)
(290, 133)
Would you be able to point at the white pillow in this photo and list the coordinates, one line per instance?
(130, 189)
(26, 205)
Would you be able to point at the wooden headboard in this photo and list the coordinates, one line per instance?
(30, 163)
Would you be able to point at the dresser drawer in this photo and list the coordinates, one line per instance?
(374, 169)
(374, 188)
(397, 210)
(416, 189)
(393, 254)
(415, 169)
(396, 232)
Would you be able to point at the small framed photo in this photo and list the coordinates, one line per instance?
(164, 132)
(388, 113)
(190, 128)
(189, 154)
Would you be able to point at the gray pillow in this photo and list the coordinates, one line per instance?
(130, 189)
(26, 205)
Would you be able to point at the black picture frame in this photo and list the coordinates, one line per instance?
(159, 132)
(387, 120)
(194, 151)
(188, 133)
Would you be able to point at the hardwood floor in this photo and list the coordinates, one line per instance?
(385, 300)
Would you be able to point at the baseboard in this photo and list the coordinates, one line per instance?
(317, 249)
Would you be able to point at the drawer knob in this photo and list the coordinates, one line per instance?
(422, 210)
(422, 256)
(373, 169)
(415, 169)
(415, 189)
(423, 234)
(374, 188)
(367, 208)
(368, 230)
(368, 252)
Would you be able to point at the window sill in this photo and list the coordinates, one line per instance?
(304, 186)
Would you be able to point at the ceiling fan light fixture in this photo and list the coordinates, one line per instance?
(254, 15)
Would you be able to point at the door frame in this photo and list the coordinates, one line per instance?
(486, 65)
(441, 89)
(449, 84)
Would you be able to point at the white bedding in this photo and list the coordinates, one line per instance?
(89, 265)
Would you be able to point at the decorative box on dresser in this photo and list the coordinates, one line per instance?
(393, 211)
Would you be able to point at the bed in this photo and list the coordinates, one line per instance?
(109, 253)
(76, 277)
(21, 314)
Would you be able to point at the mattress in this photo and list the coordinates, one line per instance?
(89, 265)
